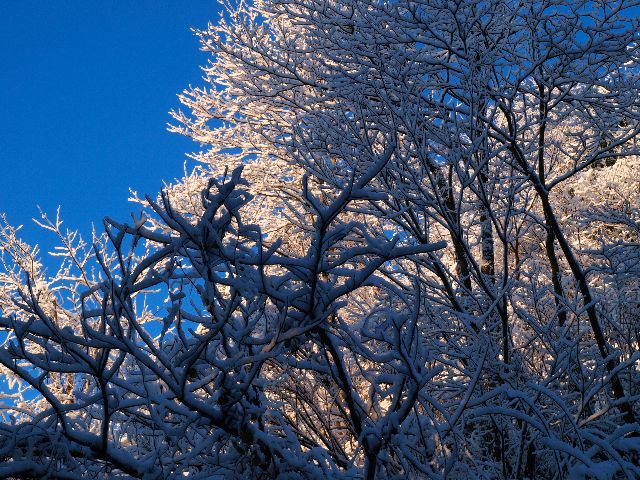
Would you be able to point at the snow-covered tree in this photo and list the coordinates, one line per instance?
(409, 250)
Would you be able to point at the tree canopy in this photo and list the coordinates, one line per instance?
(409, 248)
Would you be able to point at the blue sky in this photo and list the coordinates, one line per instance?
(85, 87)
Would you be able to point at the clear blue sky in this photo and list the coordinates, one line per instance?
(85, 87)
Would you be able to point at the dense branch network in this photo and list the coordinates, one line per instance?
(410, 249)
